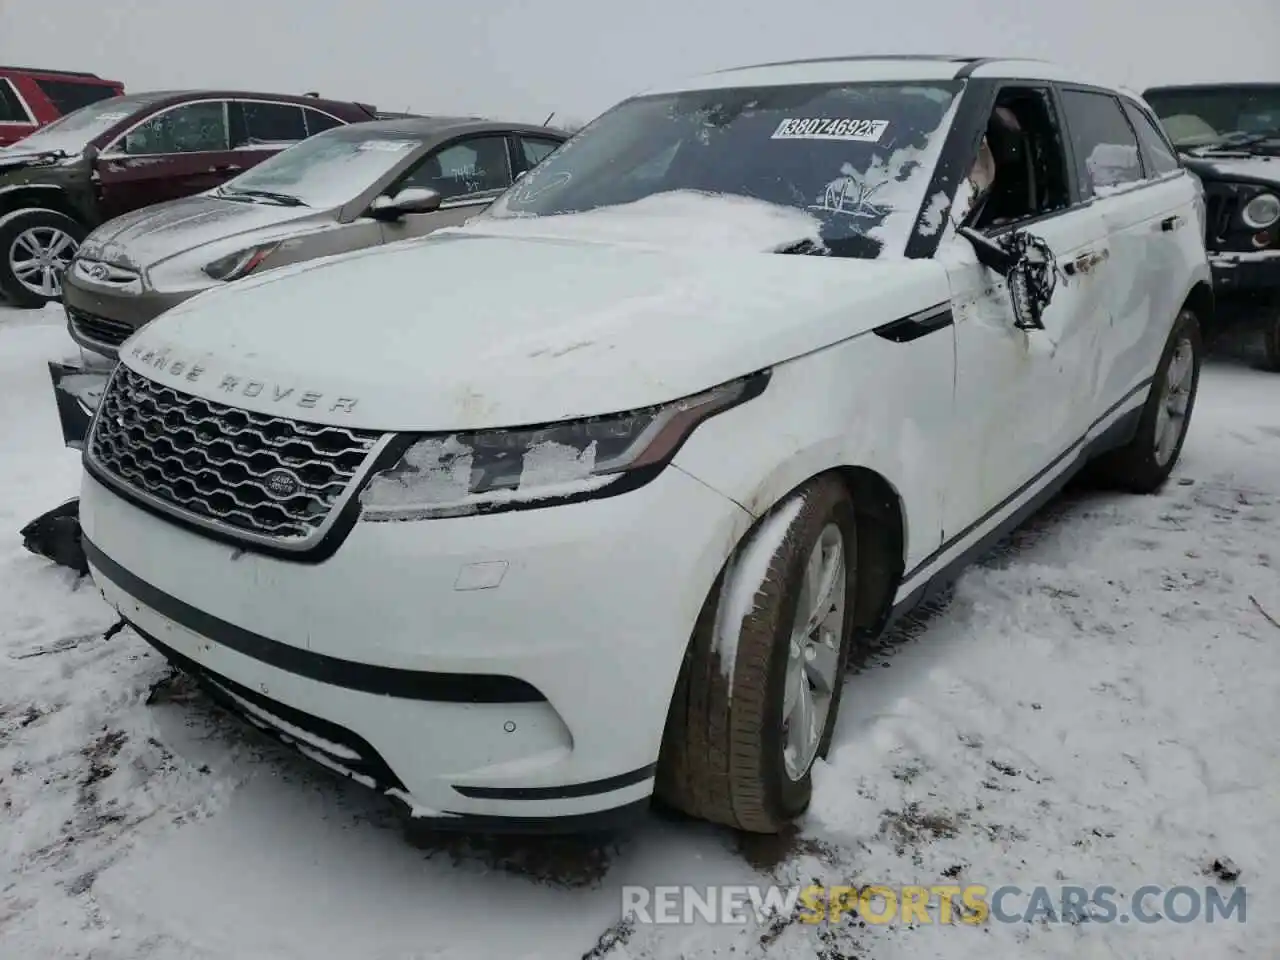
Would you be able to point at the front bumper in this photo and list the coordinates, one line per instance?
(491, 672)
(100, 319)
(1246, 272)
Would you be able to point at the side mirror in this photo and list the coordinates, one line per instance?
(989, 253)
(410, 200)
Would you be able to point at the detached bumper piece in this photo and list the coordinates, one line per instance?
(56, 536)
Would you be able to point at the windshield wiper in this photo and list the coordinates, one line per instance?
(1240, 140)
(284, 199)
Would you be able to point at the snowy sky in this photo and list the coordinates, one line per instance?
(524, 58)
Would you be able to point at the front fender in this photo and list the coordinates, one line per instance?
(868, 402)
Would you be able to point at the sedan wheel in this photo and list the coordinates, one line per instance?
(36, 247)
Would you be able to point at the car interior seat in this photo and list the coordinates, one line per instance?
(1013, 194)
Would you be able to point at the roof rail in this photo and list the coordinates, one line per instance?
(936, 57)
(57, 73)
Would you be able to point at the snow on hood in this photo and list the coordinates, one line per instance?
(146, 237)
(463, 331)
(1260, 169)
(677, 218)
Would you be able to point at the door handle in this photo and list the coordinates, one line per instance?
(1169, 224)
(226, 168)
(1086, 261)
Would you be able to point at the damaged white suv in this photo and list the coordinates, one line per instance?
(597, 496)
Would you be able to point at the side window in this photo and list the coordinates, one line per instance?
(69, 95)
(1021, 170)
(535, 150)
(318, 122)
(272, 123)
(468, 167)
(1105, 143)
(192, 128)
(11, 108)
(1156, 152)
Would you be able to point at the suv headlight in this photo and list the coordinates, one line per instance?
(239, 264)
(458, 474)
(1261, 212)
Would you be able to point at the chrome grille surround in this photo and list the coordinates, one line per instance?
(254, 477)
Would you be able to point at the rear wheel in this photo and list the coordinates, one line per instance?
(1146, 462)
(36, 246)
(756, 701)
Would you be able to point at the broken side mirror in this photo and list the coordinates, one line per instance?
(1029, 268)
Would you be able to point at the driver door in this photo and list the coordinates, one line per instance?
(1028, 396)
(469, 174)
(177, 152)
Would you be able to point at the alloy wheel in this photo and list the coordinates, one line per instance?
(38, 256)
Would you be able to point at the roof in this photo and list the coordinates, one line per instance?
(1216, 85)
(298, 98)
(436, 127)
(854, 69)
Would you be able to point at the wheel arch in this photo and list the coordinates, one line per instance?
(1200, 298)
(38, 197)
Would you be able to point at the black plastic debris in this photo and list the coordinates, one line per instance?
(55, 535)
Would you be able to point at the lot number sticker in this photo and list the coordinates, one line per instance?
(826, 128)
(386, 146)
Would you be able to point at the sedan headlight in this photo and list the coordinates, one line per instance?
(459, 474)
(239, 264)
(1261, 212)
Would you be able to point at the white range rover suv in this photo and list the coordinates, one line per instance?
(595, 497)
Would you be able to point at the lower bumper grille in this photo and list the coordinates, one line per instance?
(320, 740)
(99, 329)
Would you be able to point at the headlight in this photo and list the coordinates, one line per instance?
(458, 474)
(1261, 212)
(239, 264)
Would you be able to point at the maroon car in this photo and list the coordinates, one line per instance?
(33, 97)
(123, 153)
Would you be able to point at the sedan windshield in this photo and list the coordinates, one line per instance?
(326, 170)
(857, 157)
(1209, 116)
(72, 133)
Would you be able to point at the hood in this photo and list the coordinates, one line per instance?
(1237, 168)
(469, 331)
(152, 235)
(14, 158)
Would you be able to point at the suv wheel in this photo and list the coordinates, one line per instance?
(1146, 462)
(35, 247)
(755, 704)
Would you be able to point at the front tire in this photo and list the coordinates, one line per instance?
(36, 246)
(1145, 463)
(749, 719)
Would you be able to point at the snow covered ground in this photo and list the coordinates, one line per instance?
(1096, 705)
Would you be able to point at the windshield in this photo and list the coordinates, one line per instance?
(72, 133)
(328, 169)
(1208, 115)
(858, 157)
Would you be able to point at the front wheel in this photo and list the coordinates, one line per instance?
(756, 701)
(36, 246)
(1146, 462)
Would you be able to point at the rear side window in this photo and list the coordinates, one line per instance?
(318, 122)
(1157, 153)
(68, 95)
(11, 108)
(1105, 143)
(273, 122)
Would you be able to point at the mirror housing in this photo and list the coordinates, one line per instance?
(989, 253)
(407, 201)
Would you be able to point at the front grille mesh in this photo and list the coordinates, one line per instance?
(100, 329)
(250, 472)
